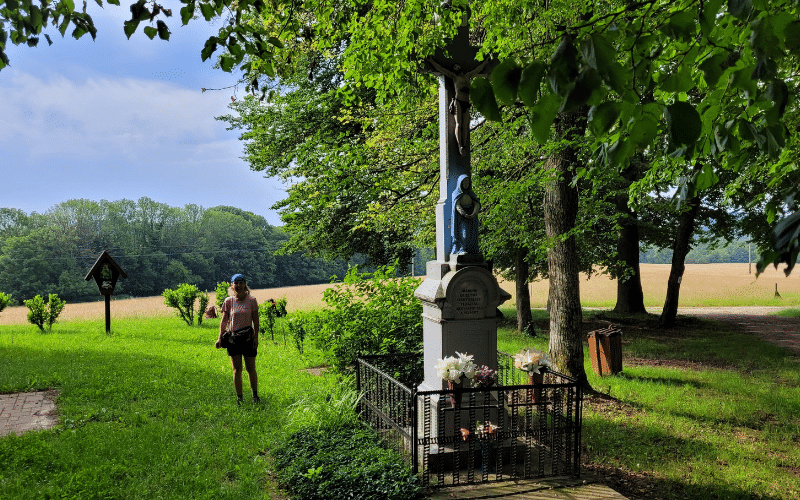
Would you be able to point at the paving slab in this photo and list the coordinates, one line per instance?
(27, 411)
(549, 489)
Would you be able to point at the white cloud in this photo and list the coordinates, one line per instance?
(104, 117)
(120, 118)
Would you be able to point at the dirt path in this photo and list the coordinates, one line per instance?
(758, 321)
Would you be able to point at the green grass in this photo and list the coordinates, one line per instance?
(787, 299)
(699, 411)
(147, 412)
(789, 313)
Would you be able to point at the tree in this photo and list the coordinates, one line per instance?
(342, 173)
(157, 245)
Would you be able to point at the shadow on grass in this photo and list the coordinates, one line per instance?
(664, 380)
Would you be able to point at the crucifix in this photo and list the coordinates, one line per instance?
(455, 65)
(460, 295)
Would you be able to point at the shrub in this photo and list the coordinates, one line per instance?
(369, 313)
(4, 301)
(267, 315)
(342, 462)
(280, 306)
(201, 306)
(183, 299)
(297, 330)
(222, 293)
(41, 313)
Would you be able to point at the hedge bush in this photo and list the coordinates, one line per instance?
(369, 313)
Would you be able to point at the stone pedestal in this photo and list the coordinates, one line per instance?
(460, 300)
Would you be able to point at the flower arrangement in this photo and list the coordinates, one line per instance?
(485, 377)
(486, 429)
(532, 360)
(452, 369)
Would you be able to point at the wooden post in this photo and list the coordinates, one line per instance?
(108, 313)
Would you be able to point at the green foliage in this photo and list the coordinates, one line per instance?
(280, 306)
(267, 314)
(368, 313)
(157, 245)
(339, 165)
(297, 325)
(201, 306)
(41, 313)
(222, 293)
(342, 462)
(5, 299)
(709, 66)
(183, 298)
(25, 21)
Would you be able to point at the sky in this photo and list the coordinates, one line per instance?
(116, 118)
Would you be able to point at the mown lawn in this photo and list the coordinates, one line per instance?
(699, 412)
(147, 412)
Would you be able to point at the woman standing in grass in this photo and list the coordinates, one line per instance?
(240, 311)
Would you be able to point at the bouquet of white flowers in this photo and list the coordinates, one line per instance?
(452, 369)
(531, 360)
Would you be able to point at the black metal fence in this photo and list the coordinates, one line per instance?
(512, 430)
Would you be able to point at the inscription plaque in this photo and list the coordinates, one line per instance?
(470, 299)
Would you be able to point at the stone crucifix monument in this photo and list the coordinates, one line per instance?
(460, 295)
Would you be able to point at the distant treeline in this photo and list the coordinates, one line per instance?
(701, 253)
(158, 247)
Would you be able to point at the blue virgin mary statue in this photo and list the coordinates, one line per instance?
(464, 218)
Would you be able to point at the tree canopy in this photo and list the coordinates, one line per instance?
(689, 79)
(158, 246)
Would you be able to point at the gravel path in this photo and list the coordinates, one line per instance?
(758, 321)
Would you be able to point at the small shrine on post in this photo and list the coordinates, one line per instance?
(460, 295)
(105, 273)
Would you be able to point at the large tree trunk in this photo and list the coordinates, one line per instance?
(521, 270)
(630, 298)
(560, 211)
(683, 243)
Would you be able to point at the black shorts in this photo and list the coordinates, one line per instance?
(247, 351)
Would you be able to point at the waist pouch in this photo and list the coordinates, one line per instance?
(237, 338)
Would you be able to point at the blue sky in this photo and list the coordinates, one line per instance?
(116, 118)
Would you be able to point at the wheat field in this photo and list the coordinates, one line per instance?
(703, 285)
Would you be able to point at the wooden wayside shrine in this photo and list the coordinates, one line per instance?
(106, 272)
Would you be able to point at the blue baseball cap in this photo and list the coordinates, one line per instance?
(237, 277)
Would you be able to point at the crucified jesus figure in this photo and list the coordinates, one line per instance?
(459, 105)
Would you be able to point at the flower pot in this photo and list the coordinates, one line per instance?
(536, 380)
(455, 396)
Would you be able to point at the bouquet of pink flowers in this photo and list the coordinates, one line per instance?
(485, 377)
